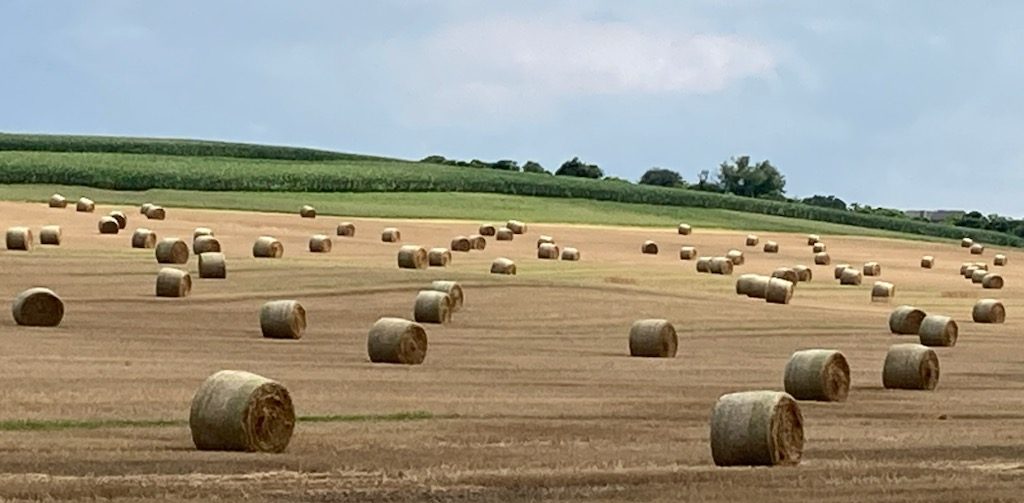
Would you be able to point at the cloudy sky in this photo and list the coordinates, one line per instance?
(910, 104)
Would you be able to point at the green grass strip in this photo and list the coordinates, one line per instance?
(94, 424)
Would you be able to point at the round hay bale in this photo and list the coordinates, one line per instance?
(752, 285)
(85, 205)
(394, 340)
(320, 243)
(283, 319)
(938, 331)
(462, 244)
(19, 238)
(821, 375)
(850, 277)
(515, 226)
(963, 268)
(872, 269)
(205, 244)
(156, 213)
(432, 306)
(687, 253)
(412, 257)
(171, 251)
(786, 273)
(143, 238)
(390, 235)
(999, 260)
(502, 265)
(478, 241)
(653, 338)
(910, 366)
(992, 282)
(704, 264)
(988, 311)
(238, 411)
(977, 275)
(201, 231)
(439, 257)
(122, 219)
(752, 240)
(649, 248)
(927, 262)
(108, 225)
(488, 230)
(267, 247)
(822, 258)
(803, 273)
(736, 257)
(771, 247)
(307, 211)
(212, 265)
(977, 249)
(757, 428)
(966, 243)
(38, 307)
(454, 291)
(906, 320)
(813, 239)
(548, 251)
(504, 234)
(840, 268)
(50, 235)
(171, 282)
(145, 207)
(58, 201)
(779, 291)
(971, 269)
(347, 229)
(882, 291)
(570, 254)
(721, 265)
(545, 240)
(818, 248)
(685, 229)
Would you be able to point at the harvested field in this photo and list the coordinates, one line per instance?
(505, 407)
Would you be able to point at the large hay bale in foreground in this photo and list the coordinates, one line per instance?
(649, 248)
(212, 265)
(906, 320)
(487, 230)
(687, 253)
(307, 211)
(283, 319)
(977, 249)
(504, 234)
(346, 229)
(818, 374)
(813, 239)
(394, 340)
(840, 268)
(201, 231)
(752, 240)
(850, 277)
(432, 306)
(721, 265)
(171, 282)
(927, 262)
(653, 338)
(819, 248)
(910, 366)
(752, 285)
(977, 275)
(390, 235)
(85, 205)
(999, 260)
(570, 254)
(267, 247)
(771, 247)
(108, 225)
(515, 226)
(439, 257)
(478, 241)
(143, 238)
(205, 244)
(736, 257)
(461, 244)
(171, 251)
(502, 265)
(757, 428)
(58, 201)
(779, 291)
(545, 240)
(156, 213)
(38, 307)
(872, 269)
(822, 258)
(19, 238)
(238, 411)
(122, 219)
(685, 229)
(966, 243)
(882, 291)
(786, 273)
(548, 251)
(938, 331)
(454, 291)
(803, 273)
(50, 235)
(992, 281)
(320, 243)
(988, 311)
(704, 264)
(412, 257)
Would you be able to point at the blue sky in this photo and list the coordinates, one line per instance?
(910, 104)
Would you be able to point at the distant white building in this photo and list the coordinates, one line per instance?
(935, 215)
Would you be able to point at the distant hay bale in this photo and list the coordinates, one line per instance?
(771, 247)
(752, 240)
(307, 211)
(966, 243)
(839, 268)
(478, 241)
(320, 243)
(850, 277)
(786, 273)
(687, 253)
(752, 285)
(963, 268)
(108, 225)
(736, 257)
(201, 231)
(156, 213)
(432, 306)
(283, 319)
(239, 411)
(454, 291)
(927, 262)
(992, 281)
(390, 235)
(978, 275)
(504, 234)
(461, 244)
(970, 270)
(721, 265)
(653, 339)
(502, 265)
(38, 307)
(818, 248)
(938, 331)
(85, 205)
(882, 291)
(704, 264)
(347, 229)
(977, 249)
(212, 265)
(570, 254)
(394, 340)
(757, 428)
(779, 291)
(548, 251)
(545, 239)
(822, 258)
(906, 320)
(171, 282)
(145, 208)
(649, 248)
(515, 226)
(19, 238)
(205, 244)
(172, 250)
(267, 247)
(813, 239)
(58, 201)
(143, 238)
(910, 366)
(412, 257)
(50, 235)
(122, 219)
(988, 311)
(999, 260)
(685, 229)
(872, 269)
(439, 257)
(488, 230)
(803, 273)
(822, 375)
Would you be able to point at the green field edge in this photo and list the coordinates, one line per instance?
(96, 424)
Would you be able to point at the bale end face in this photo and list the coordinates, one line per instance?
(910, 366)
(283, 319)
(38, 307)
(394, 340)
(653, 338)
(239, 411)
(757, 428)
(818, 374)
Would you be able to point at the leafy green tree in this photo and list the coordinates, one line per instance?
(576, 167)
(737, 176)
(662, 177)
(825, 202)
(534, 167)
(435, 159)
(506, 165)
(704, 183)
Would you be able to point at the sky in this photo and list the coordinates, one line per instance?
(913, 104)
